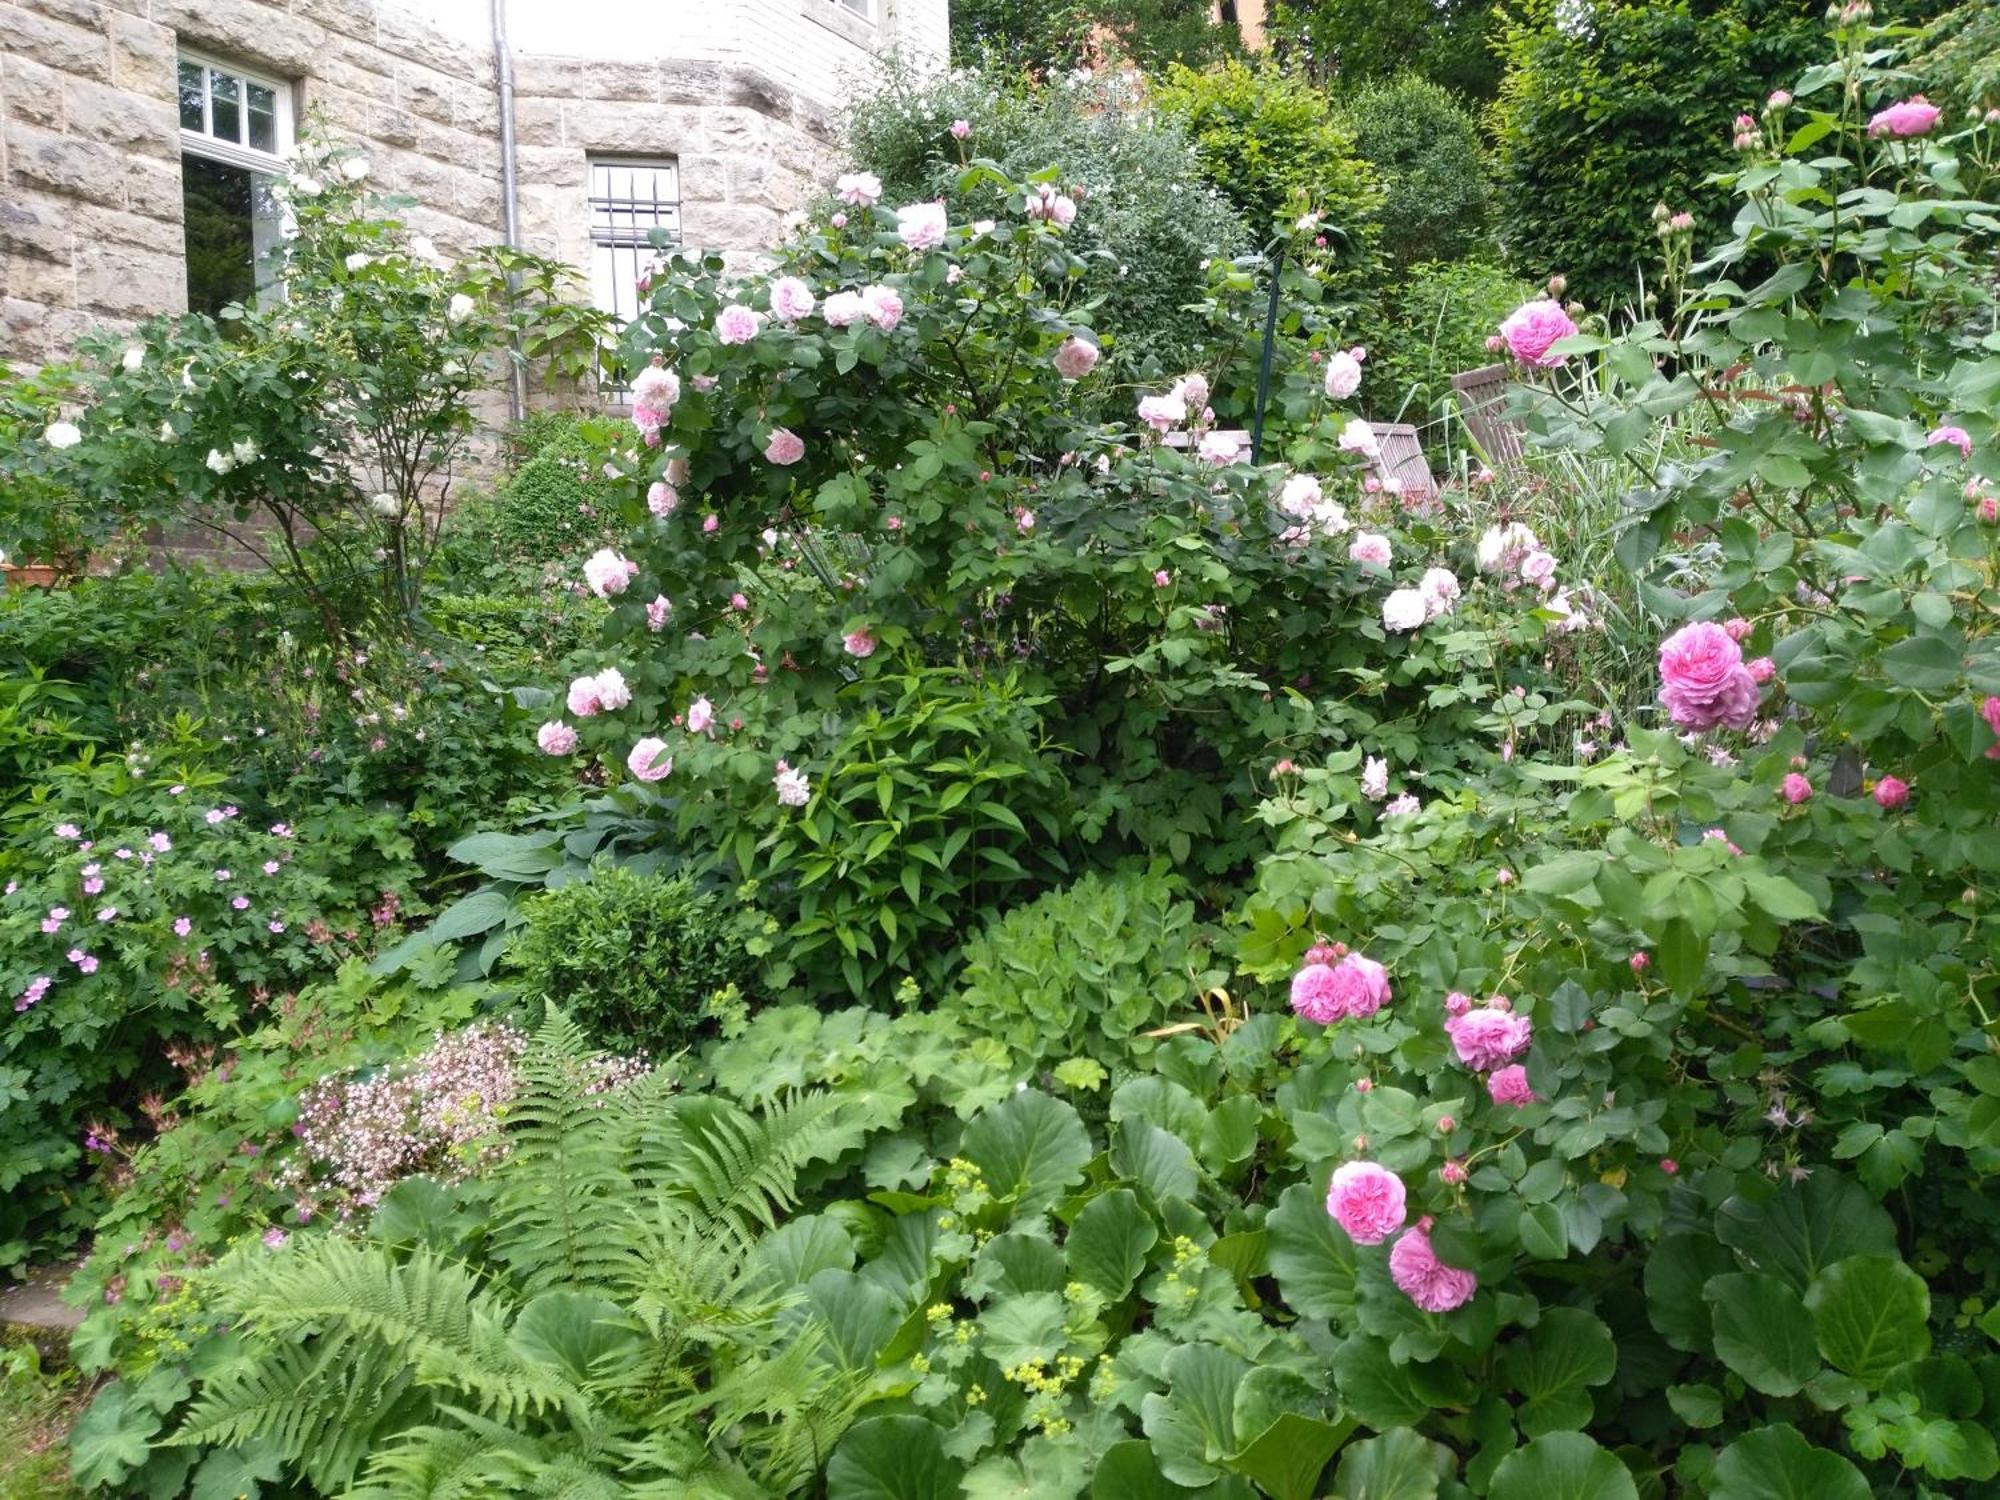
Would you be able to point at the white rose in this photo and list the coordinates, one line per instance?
(1403, 610)
(385, 504)
(244, 450)
(135, 356)
(218, 462)
(357, 262)
(354, 168)
(62, 434)
(306, 187)
(462, 307)
(166, 432)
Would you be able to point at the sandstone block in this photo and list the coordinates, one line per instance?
(53, 43)
(84, 169)
(246, 28)
(119, 117)
(142, 56)
(31, 92)
(119, 280)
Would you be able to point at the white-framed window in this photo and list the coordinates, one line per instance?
(862, 8)
(635, 218)
(236, 137)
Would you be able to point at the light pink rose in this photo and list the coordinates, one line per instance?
(1404, 609)
(701, 714)
(554, 738)
(1762, 669)
(921, 226)
(1366, 1200)
(1423, 1278)
(1439, 586)
(1076, 358)
(657, 612)
(960, 129)
(1915, 115)
(607, 573)
(613, 692)
(1958, 437)
(1370, 548)
(1358, 437)
(649, 760)
(583, 700)
(859, 644)
(862, 189)
(1509, 1085)
(1539, 568)
(1044, 202)
(662, 499)
(1163, 413)
(791, 299)
(883, 307)
(844, 310)
(1703, 680)
(794, 790)
(785, 447)
(737, 324)
(1343, 374)
(1487, 1038)
(1533, 327)
(1218, 448)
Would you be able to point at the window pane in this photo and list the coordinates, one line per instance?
(190, 96)
(263, 116)
(217, 202)
(226, 117)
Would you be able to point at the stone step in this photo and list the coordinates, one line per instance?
(32, 1309)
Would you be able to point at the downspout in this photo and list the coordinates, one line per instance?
(510, 186)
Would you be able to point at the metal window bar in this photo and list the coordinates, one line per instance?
(629, 202)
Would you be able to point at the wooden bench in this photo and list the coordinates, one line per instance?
(1481, 397)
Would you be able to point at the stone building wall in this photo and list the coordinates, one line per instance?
(90, 192)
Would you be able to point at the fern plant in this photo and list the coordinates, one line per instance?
(608, 1334)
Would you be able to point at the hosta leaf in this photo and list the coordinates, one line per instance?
(1029, 1148)
(1562, 1466)
(1871, 1313)
(892, 1458)
(1762, 1331)
(1776, 1463)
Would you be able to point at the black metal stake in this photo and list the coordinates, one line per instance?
(1264, 364)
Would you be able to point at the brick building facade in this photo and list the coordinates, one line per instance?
(709, 118)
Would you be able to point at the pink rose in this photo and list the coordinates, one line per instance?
(656, 613)
(662, 499)
(1423, 1278)
(583, 700)
(1509, 1085)
(649, 760)
(844, 310)
(1371, 548)
(1325, 993)
(1891, 792)
(1343, 374)
(791, 299)
(1488, 1037)
(1958, 437)
(1367, 1200)
(1796, 788)
(1703, 679)
(1763, 669)
(921, 226)
(858, 644)
(607, 573)
(1219, 449)
(862, 189)
(1163, 413)
(556, 738)
(960, 129)
(737, 324)
(785, 447)
(1532, 328)
(700, 714)
(1990, 711)
(883, 307)
(1913, 116)
(1076, 358)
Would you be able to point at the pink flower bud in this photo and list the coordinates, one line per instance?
(1670, 1166)
(1452, 1172)
(1364, 1085)
(1446, 1124)
(1891, 792)
(1641, 961)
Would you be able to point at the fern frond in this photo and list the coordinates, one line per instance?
(436, 1463)
(742, 1170)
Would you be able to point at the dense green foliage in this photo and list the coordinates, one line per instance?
(1433, 322)
(1425, 148)
(1052, 36)
(1349, 42)
(632, 958)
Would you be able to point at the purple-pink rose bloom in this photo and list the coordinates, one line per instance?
(1325, 993)
(785, 446)
(555, 738)
(1487, 1038)
(1912, 116)
(1703, 680)
(1367, 1201)
(737, 324)
(649, 760)
(1423, 1278)
(1533, 327)
(1076, 358)
(1509, 1085)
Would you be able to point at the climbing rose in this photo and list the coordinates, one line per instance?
(859, 644)
(1076, 358)
(1375, 779)
(1501, 549)
(844, 310)
(1161, 413)
(883, 307)
(1301, 495)
(1370, 547)
(785, 446)
(661, 498)
(1325, 993)
(1796, 788)
(737, 324)
(1487, 1038)
(1703, 681)
(607, 573)
(583, 700)
(701, 714)
(1532, 328)
(1367, 1201)
(1912, 116)
(1439, 586)
(655, 389)
(1404, 609)
(1358, 437)
(794, 790)
(1509, 1085)
(1343, 373)
(1219, 448)
(656, 613)
(862, 189)
(921, 225)
(646, 760)
(1892, 792)
(556, 738)
(1423, 1278)
(791, 299)
(1958, 437)
(613, 692)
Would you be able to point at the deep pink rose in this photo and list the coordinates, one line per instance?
(1532, 328)
(1913, 116)
(1367, 1201)
(1423, 1278)
(1891, 792)
(1509, 1085)
(1703, 681)
(1489, 1038)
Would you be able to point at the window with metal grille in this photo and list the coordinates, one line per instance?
(236, 132)
(635, 218)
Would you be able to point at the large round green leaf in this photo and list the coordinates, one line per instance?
(1028, 1147)
(1871, 1314)
(1127, 1471)
(1193, 1426)
(1797, 1232)
(1108, 1243)
(1676, 1271)
(1776, 1463)
(1554, 1366)
(1311, 1256)
(893, 1458)
(1398, 1465)
(1562, 1466)
(1762, 1331)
